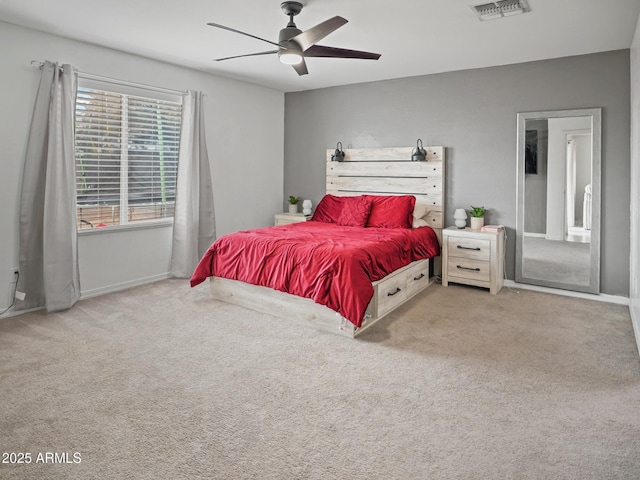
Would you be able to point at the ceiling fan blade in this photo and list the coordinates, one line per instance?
(217, 25)
(246, 55)
(333, 52)
(301, 68)
(307, 38)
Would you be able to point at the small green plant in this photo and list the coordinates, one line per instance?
(477, 211)
(293, 200)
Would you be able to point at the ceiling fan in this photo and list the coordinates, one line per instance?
(294, 45)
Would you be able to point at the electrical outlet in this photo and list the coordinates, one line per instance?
(13, 276)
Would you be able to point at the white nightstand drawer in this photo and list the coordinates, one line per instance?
(477, 248)
(469, 268)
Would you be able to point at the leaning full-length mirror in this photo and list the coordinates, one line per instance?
(558, 216)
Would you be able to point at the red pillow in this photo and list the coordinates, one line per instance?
(329, 209)
(391, 211)
(355, 211)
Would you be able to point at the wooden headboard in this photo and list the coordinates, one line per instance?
(390, 171)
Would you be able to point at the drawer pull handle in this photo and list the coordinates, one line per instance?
(418, 277)
(391, 294)
(469, 248)
(467, 268)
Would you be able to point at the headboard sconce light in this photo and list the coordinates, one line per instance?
(419, 154)
(338, 155)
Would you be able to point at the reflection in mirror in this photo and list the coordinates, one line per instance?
(558, 218)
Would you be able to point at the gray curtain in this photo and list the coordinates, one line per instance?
(193, 220)
(48, 248)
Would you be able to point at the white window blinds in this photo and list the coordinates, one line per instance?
(126, 157)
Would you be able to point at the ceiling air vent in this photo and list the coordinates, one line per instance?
(504, 8)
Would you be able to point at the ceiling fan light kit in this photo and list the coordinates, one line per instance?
(294, 45)
(290, 58)
(290, 53)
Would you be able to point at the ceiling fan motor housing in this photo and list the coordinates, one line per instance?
(287, 33)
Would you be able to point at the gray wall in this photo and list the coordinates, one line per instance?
(247, 188)
(634, 294)
(473, 114)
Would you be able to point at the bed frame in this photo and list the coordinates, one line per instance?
(376, 171)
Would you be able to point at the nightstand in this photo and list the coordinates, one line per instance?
(287, 218)
(473, 257)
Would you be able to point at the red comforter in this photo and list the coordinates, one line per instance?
(330, 264)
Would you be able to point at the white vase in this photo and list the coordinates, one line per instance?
(460, 216)
(306, 207)
(477, 223)
(293, 208)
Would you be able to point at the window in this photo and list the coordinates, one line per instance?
(126, 158)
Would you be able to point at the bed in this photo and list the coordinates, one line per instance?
(346, 268)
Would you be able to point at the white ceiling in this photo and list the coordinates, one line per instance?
(415, 37)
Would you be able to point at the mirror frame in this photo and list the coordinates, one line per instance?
(596, 143)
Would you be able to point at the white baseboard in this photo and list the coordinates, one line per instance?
(602, 297)
(13, 313)
(116, 287)
(634, 310)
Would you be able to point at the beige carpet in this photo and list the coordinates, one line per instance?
(162, 382)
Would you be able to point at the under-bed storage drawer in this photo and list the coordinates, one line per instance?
(391, 292)
(398, 287)
(417, 277)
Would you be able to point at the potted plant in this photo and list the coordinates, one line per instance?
(477, 217)
(293, 204)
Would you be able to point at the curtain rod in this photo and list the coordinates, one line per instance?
(92, 76)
